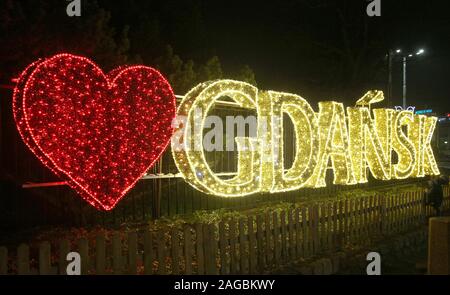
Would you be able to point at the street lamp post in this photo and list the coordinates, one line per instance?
(391, 55)
(404, 59)
(404, 82)
(389, 88)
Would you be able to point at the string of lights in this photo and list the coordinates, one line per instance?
(348, 144)
(101, 134)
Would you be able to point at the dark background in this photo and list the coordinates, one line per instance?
(321, 50)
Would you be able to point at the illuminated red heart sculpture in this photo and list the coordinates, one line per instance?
(99, 133)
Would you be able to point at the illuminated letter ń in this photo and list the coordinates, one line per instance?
(333, 145)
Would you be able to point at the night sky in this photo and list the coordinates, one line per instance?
(308, 47)
(319, 49)
(278, 42)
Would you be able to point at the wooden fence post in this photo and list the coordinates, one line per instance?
(315, 222)
(161, 244)
(3, 260)
(353, 217)
(376, 215)
(234, 263)
(187, 250)
(368, 219)
(414, 208)
(412, 201)
(358, 220)
(223, 249)
(64, 249)
(276, 239)
(199, 249)
(321, 223)
(419, 218)
(268, 234)
(243, 255)
(383, 214)
(298, 232)
(207, 248)
(83, 249)
(175, 244)
(347, 221)
(364, 220)
(208, 237)
(397, 216)
(373, 216)
(291, 246)
(439, 246)
(100, 254)
(335, 234)
(284, 251)
(401, 210)
(373, 221)
(389, 213)
(213, 249)
(260, 243)
(305, 232)
(44, 258)
(330, 227)
(117, 253)
(341, 225)
(132, 252)
(23, 259)
(395, 220)
(252, 246)
(408, 209)
(148, 252)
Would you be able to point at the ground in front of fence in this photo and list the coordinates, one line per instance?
(404, 254)
(325, 237)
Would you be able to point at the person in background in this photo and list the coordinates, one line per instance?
(443, 179)
(434, 194)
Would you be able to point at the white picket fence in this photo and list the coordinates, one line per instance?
(246, 246)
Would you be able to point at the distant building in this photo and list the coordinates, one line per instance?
(443, 135)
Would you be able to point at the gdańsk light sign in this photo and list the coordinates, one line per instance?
(351, 139)
(102, 132)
